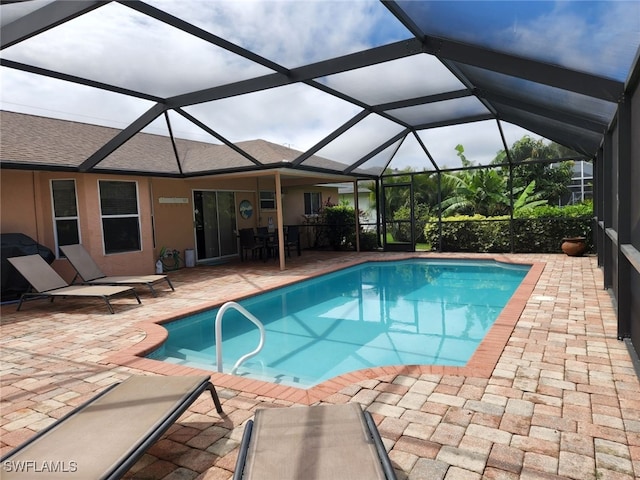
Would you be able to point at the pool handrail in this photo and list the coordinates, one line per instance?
(218, 333)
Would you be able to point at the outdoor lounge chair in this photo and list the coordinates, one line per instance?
(91, 274)
(105, 436)
(46, 283)
(319, 442)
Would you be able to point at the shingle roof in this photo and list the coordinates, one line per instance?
(35, 141)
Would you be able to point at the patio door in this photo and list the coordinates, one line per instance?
(214, 220)
(397, 229)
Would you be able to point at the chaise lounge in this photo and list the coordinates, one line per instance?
(105, 436)
(91, 274)
(46, 283)
(314, 443)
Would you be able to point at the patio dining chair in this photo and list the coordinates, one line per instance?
(293, 239)
(248, 243)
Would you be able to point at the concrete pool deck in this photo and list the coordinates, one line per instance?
(552, 394)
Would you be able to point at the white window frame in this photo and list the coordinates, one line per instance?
(312, 195)
(268, 201)
(55, 218)
(130, 215)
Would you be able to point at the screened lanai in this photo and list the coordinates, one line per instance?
(359, 89)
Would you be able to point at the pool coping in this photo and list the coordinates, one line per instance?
(481, 364)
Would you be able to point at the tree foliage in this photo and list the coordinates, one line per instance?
(552, 179)
(536, 180)
(480, 192)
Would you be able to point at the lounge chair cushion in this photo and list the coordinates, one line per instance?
(90, 272)
(95, 440)
(320, 442)
(47, 283)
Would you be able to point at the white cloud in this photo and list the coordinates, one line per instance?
(599, 38)
(115, 44)
(48, 97)
(409, 77)
(296, 115)
(291, 33)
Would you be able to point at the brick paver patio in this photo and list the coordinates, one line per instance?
(553, 395)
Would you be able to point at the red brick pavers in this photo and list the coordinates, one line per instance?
(550, 394)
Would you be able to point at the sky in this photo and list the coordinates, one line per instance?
(115, 44)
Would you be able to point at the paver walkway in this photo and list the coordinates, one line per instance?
(563, 400)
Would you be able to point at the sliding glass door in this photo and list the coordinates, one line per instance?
(214, 219)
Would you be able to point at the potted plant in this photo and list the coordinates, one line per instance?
(574, 246)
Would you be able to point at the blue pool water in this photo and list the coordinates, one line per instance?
(412, 312)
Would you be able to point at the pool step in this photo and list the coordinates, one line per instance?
(253, 369)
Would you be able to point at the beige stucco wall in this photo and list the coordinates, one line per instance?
(174, 221)
(17, 203)
(294, 201)
(26, 207)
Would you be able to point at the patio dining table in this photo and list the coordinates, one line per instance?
(268, 239)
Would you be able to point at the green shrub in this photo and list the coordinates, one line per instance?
(368, 241)
(459, 233)
(540, 231)
(340, 225)
(402, 230)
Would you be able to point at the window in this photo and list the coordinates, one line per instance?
(65, 213)
(267, 200)
(120, 218)
(312, 203)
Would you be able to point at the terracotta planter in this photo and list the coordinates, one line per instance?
(574, 246)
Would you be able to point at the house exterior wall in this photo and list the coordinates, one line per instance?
(17, 203)
(174, 221)
(26, 207)
(293, 209)
(364, 205)
(294, 201)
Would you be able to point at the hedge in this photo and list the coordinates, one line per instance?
(539, 230)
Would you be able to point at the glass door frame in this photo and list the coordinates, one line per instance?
(219, 227)
(398, 246)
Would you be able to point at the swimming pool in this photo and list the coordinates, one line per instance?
(409, 312)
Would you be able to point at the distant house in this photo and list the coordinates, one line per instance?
(365, 205)
(581, 187)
